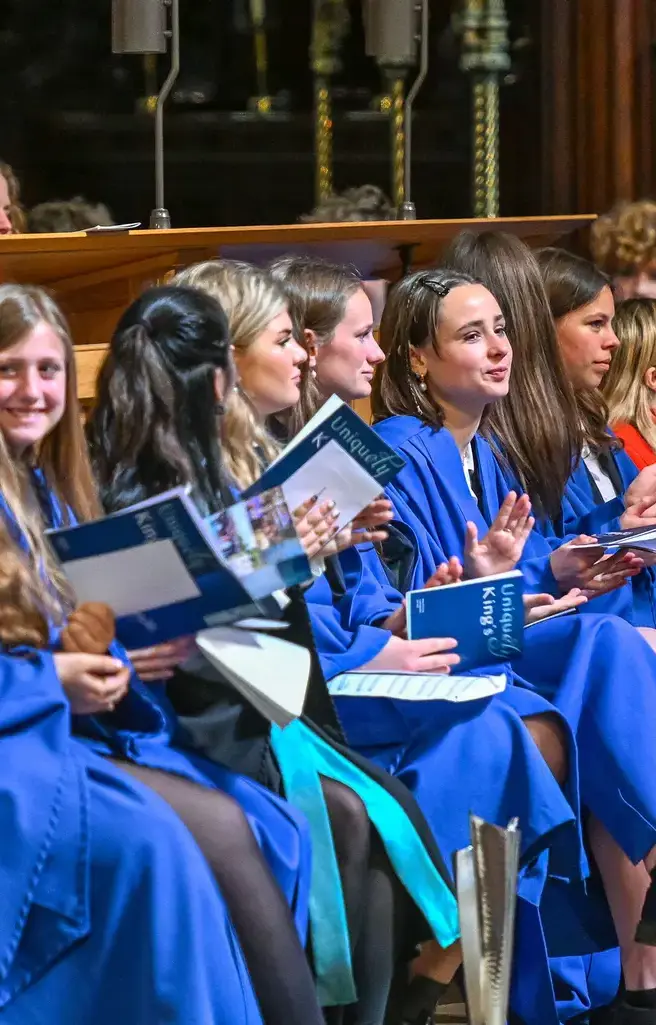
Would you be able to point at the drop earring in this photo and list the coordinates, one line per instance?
(421, 382)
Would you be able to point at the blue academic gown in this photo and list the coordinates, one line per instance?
(109, 910)
(580, 663)
(142, 730)
(485, 747)
(581, 513)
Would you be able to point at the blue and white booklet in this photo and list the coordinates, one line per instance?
(335, 456)
(485, 616)
(166, 572)
(638, 539)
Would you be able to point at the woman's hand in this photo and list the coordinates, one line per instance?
(643, 487)
(159, 661)
(370, 520)
(447, 573)
(640, 514)
(542, 606)
(450, 572)
(92, 683)
(501, 548)
(576, 567)
(315, 525)
(433, 655)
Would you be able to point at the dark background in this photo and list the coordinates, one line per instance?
(577, 125)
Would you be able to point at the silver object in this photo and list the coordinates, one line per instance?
(486, 875)
(139, 26)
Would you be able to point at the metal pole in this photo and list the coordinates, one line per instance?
(160, 217)
(397, 131)
(485, 56)
(407, 209)
(323, 138)
(330, 22)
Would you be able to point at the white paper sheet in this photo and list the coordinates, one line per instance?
(272, 674)
(332, 473)
(416, 686)
(133, 580)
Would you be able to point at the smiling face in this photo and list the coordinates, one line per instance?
(269, 368)
(345, 366)
(587, 341)
(468, 364)
(32, 387)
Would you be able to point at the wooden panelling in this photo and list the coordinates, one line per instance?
(88, 359)
(597, 102)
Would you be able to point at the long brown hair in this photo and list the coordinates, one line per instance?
(571, 283)
(155, 423)
(541, 449)
(624, 388)
(23, 617)
(62, 456)
(317, 294)
(410, 321)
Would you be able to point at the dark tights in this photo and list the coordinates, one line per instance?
(276, 961)
(377, 906)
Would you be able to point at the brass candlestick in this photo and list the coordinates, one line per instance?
(485, 56)
(330, 23)
(397, 130)
(262, 102)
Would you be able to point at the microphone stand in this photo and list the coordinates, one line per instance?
(160, 217)
(406, 208)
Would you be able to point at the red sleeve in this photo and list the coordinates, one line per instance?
(635, 445)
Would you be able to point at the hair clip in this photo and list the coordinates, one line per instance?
(424, 280)
(437, 287)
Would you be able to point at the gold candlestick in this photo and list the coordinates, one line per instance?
(485, 56)
(397, 129)
(262, 102)
(330, 23)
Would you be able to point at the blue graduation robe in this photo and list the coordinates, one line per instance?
(479, 745)
(109, 911)
(581, 513)
(580, 663)
(141, 731)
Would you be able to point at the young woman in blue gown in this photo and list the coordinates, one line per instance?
(161, 349)
(110, 911)
(448, 359)
(550, 456)
(355, 610)
(605, 484)
(245, 833)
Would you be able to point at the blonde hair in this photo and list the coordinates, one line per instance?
(628, 397)
(250, 300)
(62, 455)
(623, 241)
(16, 212)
